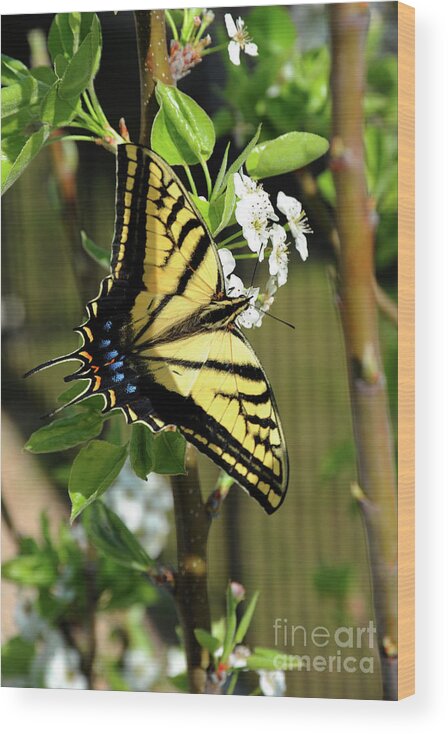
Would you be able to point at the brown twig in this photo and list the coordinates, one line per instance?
(192, 518)
(153, 62)
(192, 526)
(374, 445)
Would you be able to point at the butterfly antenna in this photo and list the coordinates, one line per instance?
(253, 274)
(276, 318)
(51, 362)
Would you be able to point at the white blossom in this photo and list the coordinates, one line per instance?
(143, 507)
(254, 212)
(278, 259)
(227, 261)
(297, 221)
(238, 658)
(61, 665)
(176, 662)
(140, 669)
(240, 40)
(245, 185)
(266, 298)
(253, 314)
(272, 682)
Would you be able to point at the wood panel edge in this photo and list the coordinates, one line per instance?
(406, 350)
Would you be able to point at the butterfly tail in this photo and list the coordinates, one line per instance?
(79, 398)
(51, 362)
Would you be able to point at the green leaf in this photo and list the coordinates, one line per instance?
(83, 66)
(221, 173)
(259, 662)
(183, 131)
(17, 655)
(240, 160)
(94, 402)
(60, 65)
(21, 94)
(229, 637)
(286, 153)
(29, 151)
(112, 537)
(272, 29)
(166, 142)
(227, 204)
(97, 253)
(36, 569)
(65, 433)
(141, 450)
(202, 206)
(74, 21)
(266, 652)
(206, 640)
(169, 453)
(180, 681)
(60, 37)
(246, 619)
(20, 122)
(56, 111)
(44, 75)
(93, 471)
(13, 70)
(326, 186)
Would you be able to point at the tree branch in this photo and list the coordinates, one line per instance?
(153, 63)
(191, 594)
(370, 411)
(192, 517)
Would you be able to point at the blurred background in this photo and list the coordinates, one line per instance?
(308, 560)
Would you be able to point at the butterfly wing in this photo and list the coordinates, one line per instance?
(162, 248)
(214, 389)
(210, 384)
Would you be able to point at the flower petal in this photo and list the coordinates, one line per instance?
(240, 24)
(244, 185)
(288, 206)
(251, 49)
(301, 245)
(272, 682)
(227, 261)
(230, 25)
(277, 235)
(234, 52)
(235, 286)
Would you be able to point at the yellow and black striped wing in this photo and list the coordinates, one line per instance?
(220, 396)
(162, 250)
(155, 345)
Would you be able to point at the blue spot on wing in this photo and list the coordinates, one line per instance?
(118, 377)
(108, 326)
(104, 343)
(130, 388)
(116, 365)
(112, 354)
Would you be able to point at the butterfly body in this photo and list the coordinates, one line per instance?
(162, 343)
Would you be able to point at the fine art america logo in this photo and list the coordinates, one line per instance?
(347, 644)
